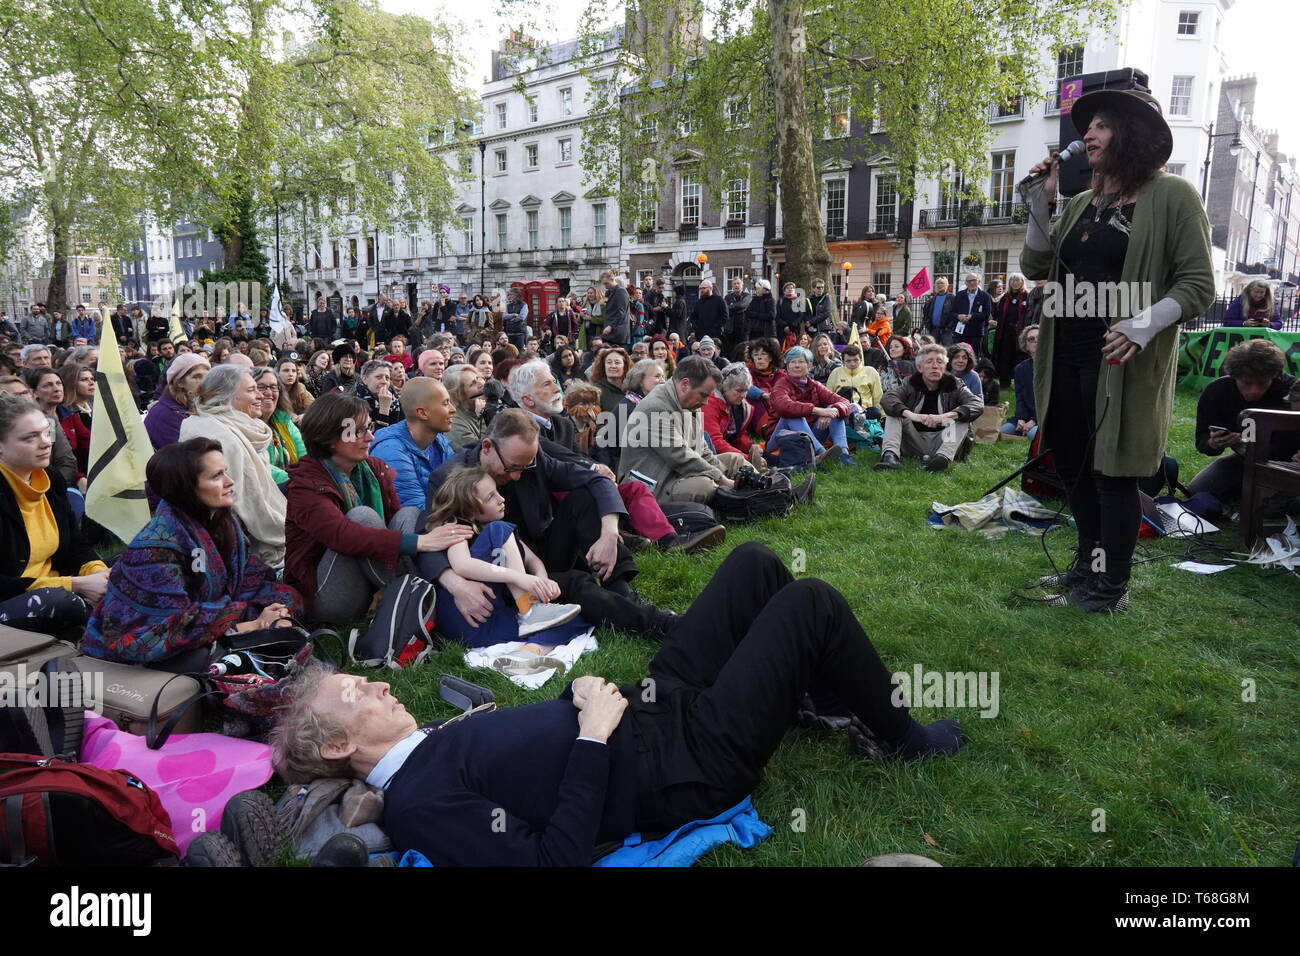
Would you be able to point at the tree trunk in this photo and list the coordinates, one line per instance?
(56, 296)
(806, 255)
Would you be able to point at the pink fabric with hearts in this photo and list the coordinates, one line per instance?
(193, 774)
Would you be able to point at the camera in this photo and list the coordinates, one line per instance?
(748, 478)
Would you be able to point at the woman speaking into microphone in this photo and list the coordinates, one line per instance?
(1106, 363)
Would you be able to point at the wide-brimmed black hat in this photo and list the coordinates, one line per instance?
(1141, 107)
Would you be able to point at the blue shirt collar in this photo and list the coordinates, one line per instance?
(392, 761)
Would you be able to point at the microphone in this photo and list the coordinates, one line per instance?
(1033, 179)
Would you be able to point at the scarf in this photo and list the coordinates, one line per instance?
(285, 450)
(361, 488)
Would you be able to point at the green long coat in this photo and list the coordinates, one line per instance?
(1169, 247)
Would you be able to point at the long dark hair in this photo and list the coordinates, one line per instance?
(173, 474)
(1133, 156)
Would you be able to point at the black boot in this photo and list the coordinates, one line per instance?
(1101, 592)
(1078, 571)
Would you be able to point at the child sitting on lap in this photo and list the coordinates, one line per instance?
(495, 556)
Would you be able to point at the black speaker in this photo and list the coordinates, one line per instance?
(1076, 175)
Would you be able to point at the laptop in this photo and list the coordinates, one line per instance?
(1172, 519)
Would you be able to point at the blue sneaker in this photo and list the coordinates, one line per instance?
(847, 459)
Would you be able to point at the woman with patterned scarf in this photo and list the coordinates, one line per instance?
(347, 533)
(189, 577)
(226, 410)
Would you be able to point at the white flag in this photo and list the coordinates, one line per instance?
(119, 448)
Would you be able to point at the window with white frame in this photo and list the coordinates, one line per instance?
(467, 164)
(532, 110)
(882, 277)
(737, 112)
(85, 296)
(649, 128)
(1180, 96)
(413, 246)
(466, 237)
(1069, 62)
(530, 156)
(566, 101)
(835, 194)
(532, 229)
(686, 126)
(501, 160)
(735, 198)
(648, 214)
(1189, 23)
(566, 226)
(1176, 169)
(995, 265)
(1002, 182)
(502, 116)
(85, 269)
(886, 208)
(392, 248)
(502, 231)
(598, 221)
(732, 272)
(837, 114)
(690, 200)
(566, 150)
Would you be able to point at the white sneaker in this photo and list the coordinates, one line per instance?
(541, 617)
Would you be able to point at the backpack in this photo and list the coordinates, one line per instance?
(738, 507)
(688, 517)
(57, 813)
(401, 633)
(791, 450)
(34, 716)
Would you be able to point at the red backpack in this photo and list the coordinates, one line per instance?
(56, 813)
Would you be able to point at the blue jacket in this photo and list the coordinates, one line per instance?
(85, 329)
(412, 466)
(1026, 410)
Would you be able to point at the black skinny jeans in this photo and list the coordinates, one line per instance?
(1106, 509)
(728, 680)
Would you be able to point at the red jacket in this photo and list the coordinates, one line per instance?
(316, 521)
(791, 399)
(718, 421)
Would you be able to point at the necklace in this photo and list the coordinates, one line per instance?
(1103, 202)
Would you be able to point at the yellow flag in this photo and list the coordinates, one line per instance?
(853, 333)
(119, 448)
(175, 332)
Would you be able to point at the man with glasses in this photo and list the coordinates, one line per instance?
(574, 538)
(972, 307)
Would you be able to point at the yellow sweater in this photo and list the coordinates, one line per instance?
(864, 378)
(42, 531)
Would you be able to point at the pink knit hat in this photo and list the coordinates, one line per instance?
(182, 364)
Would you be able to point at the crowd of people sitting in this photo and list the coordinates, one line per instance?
(497, 456)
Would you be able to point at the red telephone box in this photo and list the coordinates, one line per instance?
(540, 294)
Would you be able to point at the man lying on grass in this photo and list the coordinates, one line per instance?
(548, 783)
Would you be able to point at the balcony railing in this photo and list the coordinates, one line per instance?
(688, 233)
(733, 230)
(1013, 110)
(998, 214)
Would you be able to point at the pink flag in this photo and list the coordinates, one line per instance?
(920, 283)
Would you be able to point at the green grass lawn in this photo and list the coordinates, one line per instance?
(1139, 715)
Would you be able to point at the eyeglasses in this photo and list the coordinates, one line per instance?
(268, 388)
(514, 469)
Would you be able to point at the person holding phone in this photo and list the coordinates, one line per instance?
(1106, 364)
(1254, 377)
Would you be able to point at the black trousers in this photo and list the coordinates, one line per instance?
(1107, 509)
(725, 686)
(574, 528)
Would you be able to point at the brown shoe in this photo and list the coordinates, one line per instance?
(701, 541)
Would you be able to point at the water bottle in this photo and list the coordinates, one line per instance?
(234, 664)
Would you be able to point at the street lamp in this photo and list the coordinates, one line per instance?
(1235, 148)
(1211, 136)
(844, 293)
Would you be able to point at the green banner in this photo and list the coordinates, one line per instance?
(1201, 354)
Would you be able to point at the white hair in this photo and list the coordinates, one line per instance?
(523, 378)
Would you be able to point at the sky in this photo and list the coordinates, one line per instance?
(1260, 37)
